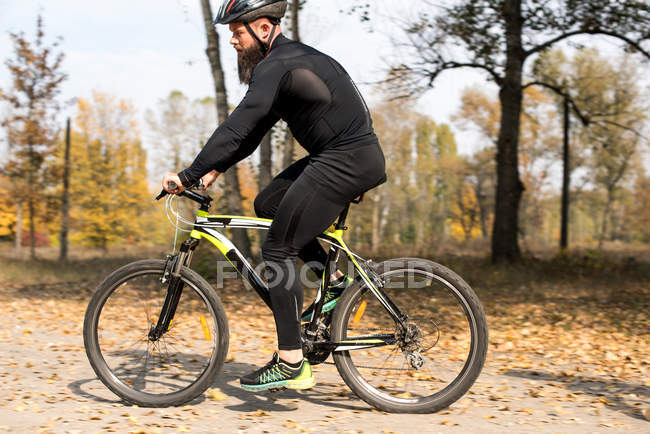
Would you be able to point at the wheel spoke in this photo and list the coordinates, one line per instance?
(432, 346)
(168, 366)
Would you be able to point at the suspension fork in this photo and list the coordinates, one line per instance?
(174, 289)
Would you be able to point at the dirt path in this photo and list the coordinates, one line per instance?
(48, 386)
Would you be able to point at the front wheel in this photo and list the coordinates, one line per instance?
(434, 358)
(137, 365)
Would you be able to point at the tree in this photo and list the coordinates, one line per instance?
(65, 196)
(289, 142)
(31, 125)
(109, 186)
(8, 218)
(537, 150)
(231, 183)
(388, 211)
(498, 37)
(483, 180)
(412, 207)
(615, 104)
(170, 126)
(180, 127)
(605, 94)
(638, 215)
(265, 170)
(464, 210)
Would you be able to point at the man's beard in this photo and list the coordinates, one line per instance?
(247, 60)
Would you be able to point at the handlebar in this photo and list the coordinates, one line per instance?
(172, 185)
(204, 201)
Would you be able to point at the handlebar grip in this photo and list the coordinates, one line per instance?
(172, 185)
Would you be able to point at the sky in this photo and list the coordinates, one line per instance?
(141, 50)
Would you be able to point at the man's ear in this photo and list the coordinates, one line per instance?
(265, 29)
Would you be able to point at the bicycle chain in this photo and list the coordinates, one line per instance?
(369, 367)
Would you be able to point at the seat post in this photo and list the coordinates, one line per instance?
(340, 224)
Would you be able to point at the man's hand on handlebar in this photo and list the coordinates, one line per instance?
(171, 183)
(209, 178)
(175, 182)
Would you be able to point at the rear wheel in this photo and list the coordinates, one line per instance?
(155, 372)
(434, 360)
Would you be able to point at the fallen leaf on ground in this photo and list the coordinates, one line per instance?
(646, 413)
(216, 394)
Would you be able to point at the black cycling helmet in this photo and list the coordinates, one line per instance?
(244, 11)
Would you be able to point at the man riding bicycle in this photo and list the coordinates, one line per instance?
(327, 115)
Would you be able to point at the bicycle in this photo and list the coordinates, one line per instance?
(408, 335)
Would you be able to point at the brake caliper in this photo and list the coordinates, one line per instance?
(169, 266)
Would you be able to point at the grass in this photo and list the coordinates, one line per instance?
(612, 287)
(84, 265)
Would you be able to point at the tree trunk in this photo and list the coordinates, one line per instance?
(603, 228)
(287, 157)
(289, 143)
(19, 226)
(375, 233)
(30, 201)
(566, 180)
(509, 187)
(32, 229)
(295, 31)
(266, 160)
(232, 191)
(65, 200)
(482, 208)
(383, 218)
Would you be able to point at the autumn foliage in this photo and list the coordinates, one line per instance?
(109, 185)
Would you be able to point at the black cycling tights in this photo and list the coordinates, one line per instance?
(299, 214)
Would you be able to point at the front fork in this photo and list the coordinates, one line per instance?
(174, 289)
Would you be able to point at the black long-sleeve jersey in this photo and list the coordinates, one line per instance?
(307, 89)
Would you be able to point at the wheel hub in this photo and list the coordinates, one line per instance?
(410, 338)
(152, 333)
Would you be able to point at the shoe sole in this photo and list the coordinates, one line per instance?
(305, 383)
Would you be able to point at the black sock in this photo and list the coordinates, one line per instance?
(293, 365)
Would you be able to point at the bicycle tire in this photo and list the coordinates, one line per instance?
(194, 285)
(454, 389)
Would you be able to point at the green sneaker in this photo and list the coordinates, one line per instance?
(332, 295)
(277, 374)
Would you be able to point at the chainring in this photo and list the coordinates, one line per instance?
(317, 357)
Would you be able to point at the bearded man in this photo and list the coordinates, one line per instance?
(314, 95)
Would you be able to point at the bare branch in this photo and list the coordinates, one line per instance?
(596, 31)
(584, 119)
(624, 127)
(454, 65)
